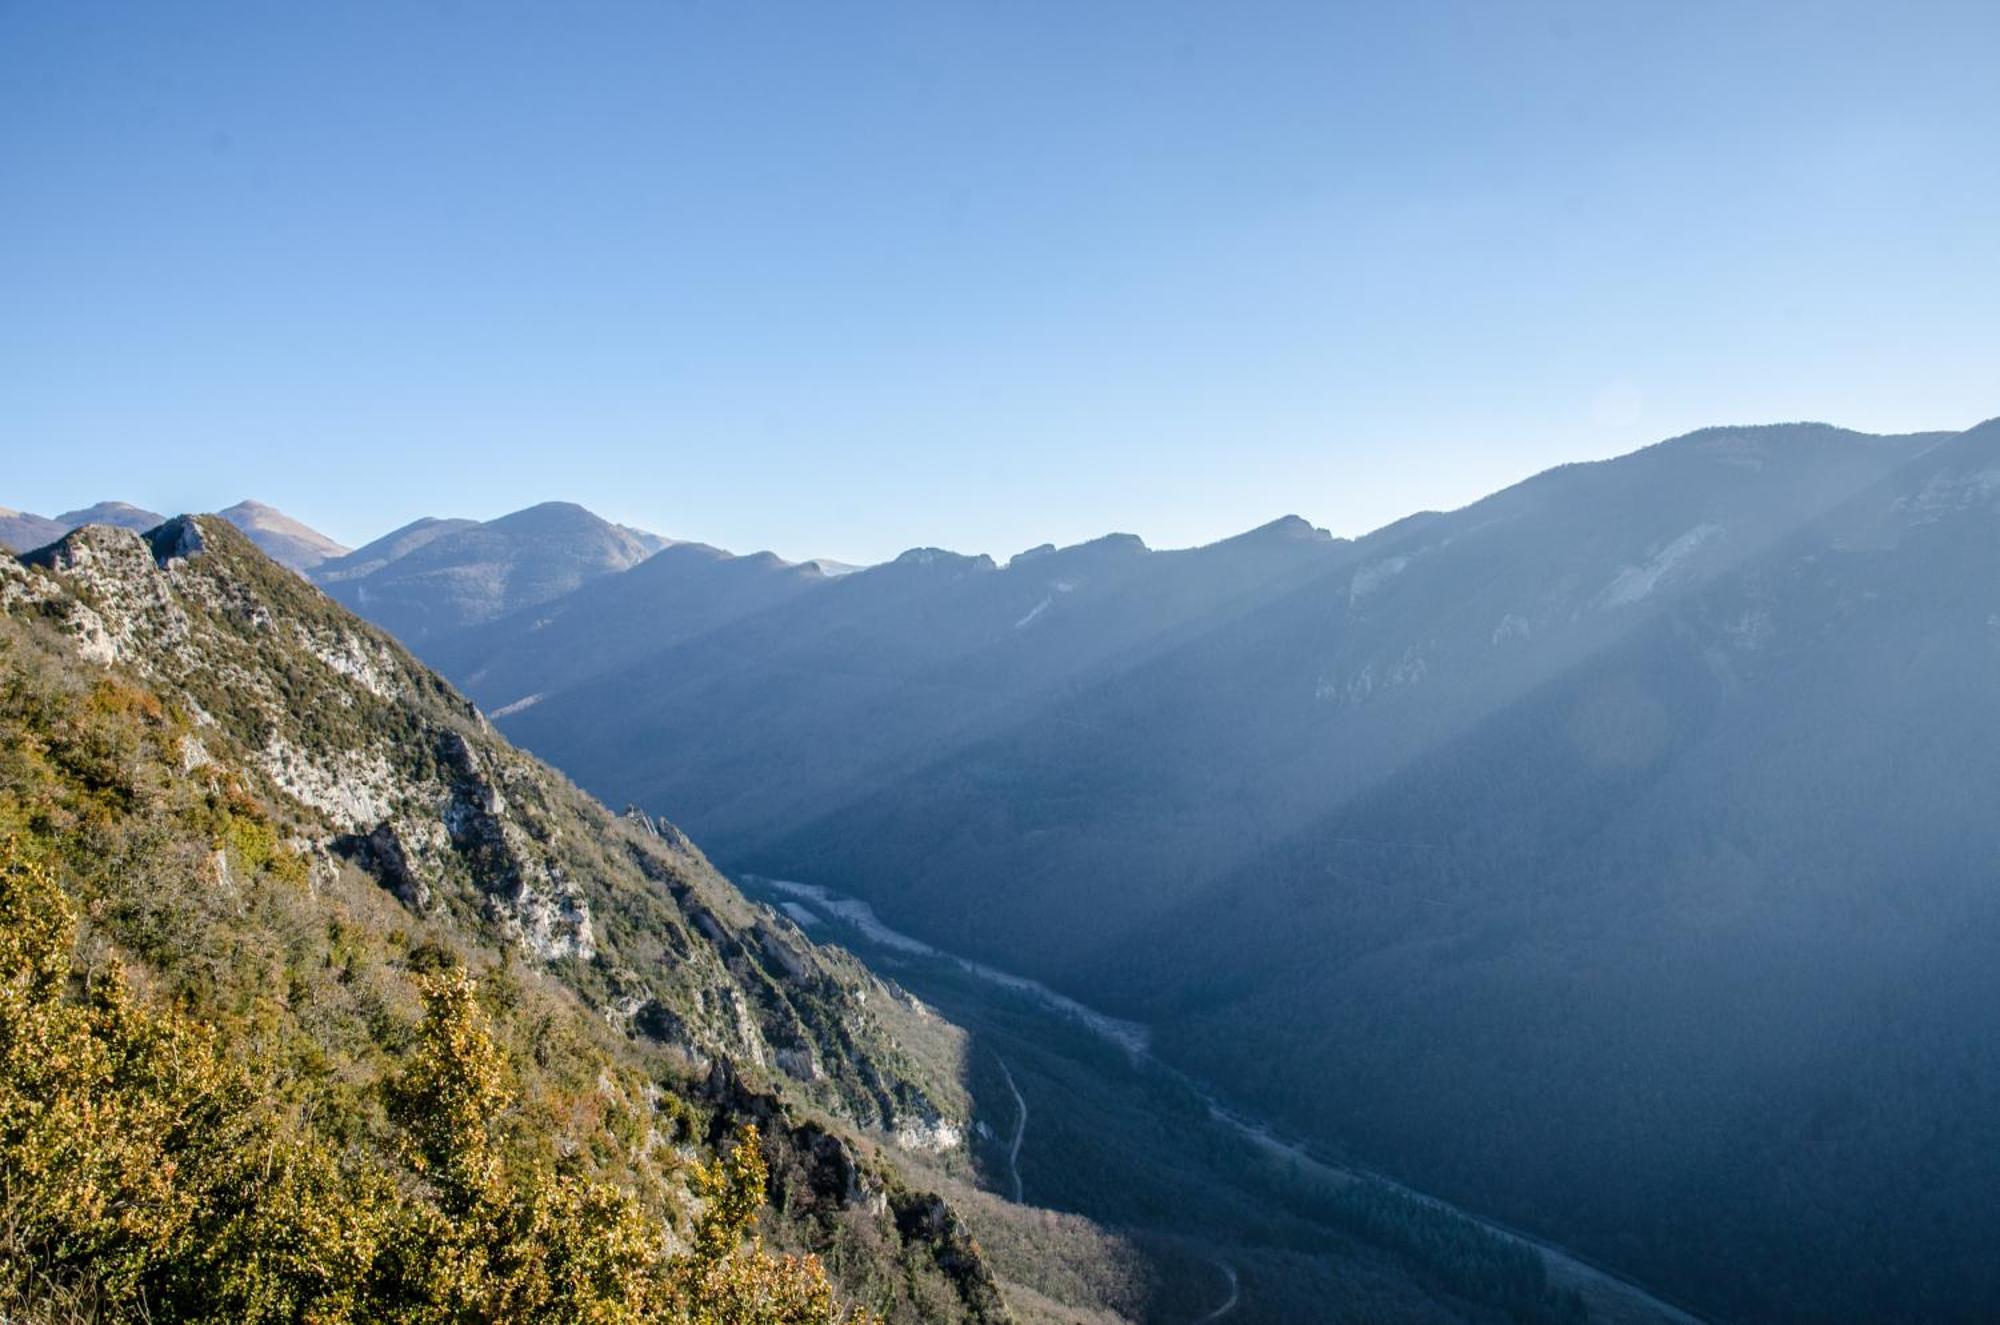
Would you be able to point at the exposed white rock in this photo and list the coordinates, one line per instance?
(1635, 583)
(358, 789)
(1373, 576)
(352, 657)
(932, 1136)
(1409, 669)
(1946, 493)
(519, 705)
(194, 754)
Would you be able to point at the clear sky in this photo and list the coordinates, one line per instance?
(842, 278)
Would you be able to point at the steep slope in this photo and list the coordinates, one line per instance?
(646, 539)
(283, 539)
(1079, 766)
(1706, 928)
(21, 531)
(678, 594)
(417, 790)
(371, 557)
(446, 579)
(800, 709)
(1347, 813)
(282, 830)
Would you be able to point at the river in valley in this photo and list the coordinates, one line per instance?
(827, 915)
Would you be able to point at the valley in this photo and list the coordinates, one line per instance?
(1606, 857)
(914, 663)
(1221, 1148)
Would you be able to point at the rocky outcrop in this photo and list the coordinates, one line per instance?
(927, 1219)
(527, 891)
(398, 776)
(268, 756)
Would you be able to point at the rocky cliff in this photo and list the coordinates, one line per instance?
(268, 804)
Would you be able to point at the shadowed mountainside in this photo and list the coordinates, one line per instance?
(1630, 792)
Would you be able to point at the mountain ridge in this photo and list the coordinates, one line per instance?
(358, 788)
(911, 735)
(286, 541)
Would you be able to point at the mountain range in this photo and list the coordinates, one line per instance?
(283, 539)
(269, 844)
(437, 576)
(319, 1000)
(1601, 827)
(1612, 855)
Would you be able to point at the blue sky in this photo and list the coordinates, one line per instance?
(843, 278)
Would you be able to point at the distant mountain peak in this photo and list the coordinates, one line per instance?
(286, 541)
(550, 514)
(121, 513)
(929, 556)
(567, 518)
(434, 576)
(1288, 527)
(23, 531)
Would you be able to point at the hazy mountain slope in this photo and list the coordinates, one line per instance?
(21, 531)
(1110, 823)
(124, 515)
(373, 556)
(1700, 939)
(648, 540)
(277, 824)
(1108, 802)
(434, 580)
(283, 539)
(804, 707)
(677, 594)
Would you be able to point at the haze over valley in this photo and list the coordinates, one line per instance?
(926, 663)
(1570, 787)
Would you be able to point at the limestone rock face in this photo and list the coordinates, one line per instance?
(395, 774)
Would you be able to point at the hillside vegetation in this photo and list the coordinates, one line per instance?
(257, 1064)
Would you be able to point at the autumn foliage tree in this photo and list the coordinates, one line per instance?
(146, 1170)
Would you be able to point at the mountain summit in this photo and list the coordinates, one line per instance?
(433, 577)
(283, 539)
(123, 515)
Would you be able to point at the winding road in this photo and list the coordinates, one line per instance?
(1020, 1130)
(1611, 1297)
(1229, 1302)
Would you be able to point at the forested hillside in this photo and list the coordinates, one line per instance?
(318, 1002)
(1701, 939)
(1575, 853)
